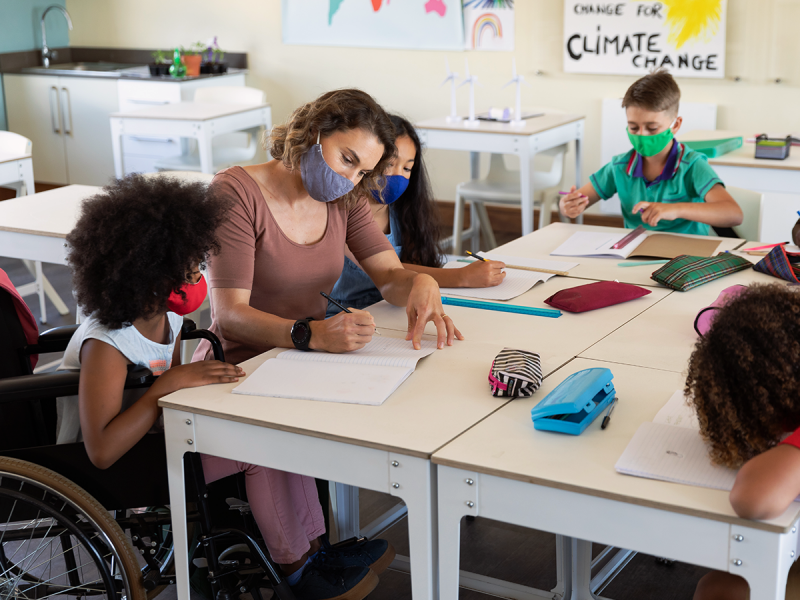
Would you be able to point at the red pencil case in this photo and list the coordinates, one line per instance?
(591, 296)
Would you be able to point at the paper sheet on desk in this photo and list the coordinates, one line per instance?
(658, 245)
(516, 282)
(367, 376)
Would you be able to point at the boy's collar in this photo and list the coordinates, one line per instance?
(635, 167)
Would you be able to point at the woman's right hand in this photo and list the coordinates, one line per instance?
(481, 274)
(344, 332)
(573, 204)
(196, 374)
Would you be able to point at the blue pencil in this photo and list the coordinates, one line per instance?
(512, 308)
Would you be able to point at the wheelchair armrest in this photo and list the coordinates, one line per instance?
(35, 387)
(52, 340)
(189, 331)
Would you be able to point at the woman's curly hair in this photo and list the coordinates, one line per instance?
(339, 110)
(136, 241)
(744, 374)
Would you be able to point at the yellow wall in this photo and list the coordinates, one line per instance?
(760, 40)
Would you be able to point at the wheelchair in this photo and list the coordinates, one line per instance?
(69, 529)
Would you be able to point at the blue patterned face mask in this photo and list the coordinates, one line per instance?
(394, 188)
(322, 183)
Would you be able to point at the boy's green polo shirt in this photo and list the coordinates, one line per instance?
(687, 177)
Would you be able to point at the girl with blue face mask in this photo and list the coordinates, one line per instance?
(406, 212)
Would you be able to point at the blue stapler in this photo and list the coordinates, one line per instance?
(576, 402)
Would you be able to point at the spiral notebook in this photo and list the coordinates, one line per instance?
(367, 376)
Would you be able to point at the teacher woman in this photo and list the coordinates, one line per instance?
(284, 243)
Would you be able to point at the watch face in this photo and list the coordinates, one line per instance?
(300, 332)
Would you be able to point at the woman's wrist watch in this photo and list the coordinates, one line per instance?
(301, 333)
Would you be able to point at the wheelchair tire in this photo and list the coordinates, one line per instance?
(74, 533)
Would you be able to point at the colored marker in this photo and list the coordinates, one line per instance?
(607, 418)
(767, 247)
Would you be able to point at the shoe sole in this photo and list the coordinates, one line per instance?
(361, 590)
(380, 565)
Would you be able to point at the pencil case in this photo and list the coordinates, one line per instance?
(583, 298)
(780, 263)
(515, 373)
(575, 402)
(703, 320)
(686, 272)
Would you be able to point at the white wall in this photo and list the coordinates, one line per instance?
(761, 47)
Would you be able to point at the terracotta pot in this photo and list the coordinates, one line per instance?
(192, 62)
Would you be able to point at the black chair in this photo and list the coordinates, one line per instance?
(68, 528)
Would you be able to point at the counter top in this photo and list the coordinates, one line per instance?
(138, 72)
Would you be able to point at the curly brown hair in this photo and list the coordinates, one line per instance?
(135, 242)
(744, 374)
(339, 110)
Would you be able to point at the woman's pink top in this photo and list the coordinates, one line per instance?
(284, 278)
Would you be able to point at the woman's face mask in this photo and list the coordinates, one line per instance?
(650, 145)
(322, 183)
(195, 294)
(394, 188)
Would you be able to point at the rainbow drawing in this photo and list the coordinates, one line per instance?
(486, 21)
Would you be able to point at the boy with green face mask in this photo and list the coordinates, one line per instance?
(661, 183)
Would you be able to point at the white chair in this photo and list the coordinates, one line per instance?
(228, 149)
(13, 143)
(750, 203)
(188, 175)
(502, 186)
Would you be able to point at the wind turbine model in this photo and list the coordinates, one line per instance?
(451, 77)
(471, 80)
(519, 80)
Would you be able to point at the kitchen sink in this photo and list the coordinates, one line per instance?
(98, 69)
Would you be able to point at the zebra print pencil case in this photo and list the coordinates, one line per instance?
(515, 373)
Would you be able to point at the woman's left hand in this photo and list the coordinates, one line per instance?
(425, 304)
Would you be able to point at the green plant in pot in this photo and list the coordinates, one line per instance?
(192, 57)
(213, 57)
(160, 64)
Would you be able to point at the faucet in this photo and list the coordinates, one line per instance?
(46, 52)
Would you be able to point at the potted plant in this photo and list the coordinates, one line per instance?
(192, 57)
(213, 56)
(160, 64)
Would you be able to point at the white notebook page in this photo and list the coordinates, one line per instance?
(592, 243)
(382, 351)
(678, 413)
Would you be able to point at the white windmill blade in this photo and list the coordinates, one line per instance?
(509, 82)
(446, 79)
(465, 82)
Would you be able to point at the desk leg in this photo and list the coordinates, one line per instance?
(579, 160)
(116, 146)
(180, 431)
(763, 558)
(204, 136)
(347, 511)
(526, 155)
(454, 496)
(414, 481)
(26, 176)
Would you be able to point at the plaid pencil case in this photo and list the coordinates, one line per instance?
(685, 272)
(780, 263)
(515, 373)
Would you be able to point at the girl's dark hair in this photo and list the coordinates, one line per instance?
(135, 242)
(744, 374)
(339, 110)
(416, 208)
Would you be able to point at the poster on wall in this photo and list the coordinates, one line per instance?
(489, 25)
(409, 24)
(634, 37)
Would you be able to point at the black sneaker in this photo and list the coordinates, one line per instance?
(323, 581)
(358, 552)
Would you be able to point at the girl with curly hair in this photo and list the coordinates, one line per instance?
(406, 212)
(744, 382)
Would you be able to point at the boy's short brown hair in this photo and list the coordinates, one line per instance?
(656, 91)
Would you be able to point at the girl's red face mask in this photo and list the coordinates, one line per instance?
(195, 294)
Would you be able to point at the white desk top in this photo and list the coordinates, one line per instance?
(447, 394)
(506, 445)
(663, 337)
(549, 120)
(51, 214)
(188, 111)
(744, 156)
(541, 242)
(6, 157)
(556, 340)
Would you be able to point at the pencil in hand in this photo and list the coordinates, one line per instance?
(344, 308)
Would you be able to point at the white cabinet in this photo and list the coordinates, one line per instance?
(67, 119)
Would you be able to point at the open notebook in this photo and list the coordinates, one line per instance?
(658, 245)
(671, 449)
(367, 376)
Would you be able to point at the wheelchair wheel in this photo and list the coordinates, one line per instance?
(57, 541)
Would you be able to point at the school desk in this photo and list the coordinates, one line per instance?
(778, 180)
(552, 129)
(505, 470)
(663, 336)
(17, 169)
(195, 120)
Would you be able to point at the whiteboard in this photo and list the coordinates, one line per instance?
(633, 37)
(412, 24)
(614, 135)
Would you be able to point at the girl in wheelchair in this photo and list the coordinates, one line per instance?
(136, 254)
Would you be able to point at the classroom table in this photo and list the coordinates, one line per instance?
(778, 180)
(16, 170)
(505, 470)
(196, 120)
(537, 134)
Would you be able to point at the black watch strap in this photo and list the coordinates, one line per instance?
(301, 333)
